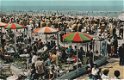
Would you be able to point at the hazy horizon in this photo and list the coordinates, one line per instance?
(61, 2)
(92, 4)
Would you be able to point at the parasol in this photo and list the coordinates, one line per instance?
(14, 26)
(77, 37)
(45, 30)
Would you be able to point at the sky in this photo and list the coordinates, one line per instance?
(61, 2)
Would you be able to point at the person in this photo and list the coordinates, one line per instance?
(3, 39)
(81, 53)
(51, 72)
(104, 75)
(49, 46)
(53, 57)
(112, 49)
(40, 44)
(35, 47)
(48, 62)
(109, 47)
(69, 51)
(117, 74)
(90, 59)
(75, 50)
(95, 71)
(64, 55)
(115, 43)
(6, 47)
(104, 48)
(121, 54)
(40, 69)
(99, 74)
(1, 53)
(33, 72)
(90, 77)
(121, 32)
(34, 58)
(61, 34)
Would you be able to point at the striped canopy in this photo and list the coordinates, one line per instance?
(77, 37)
(14, 26)
(45, 30)
(2, 24)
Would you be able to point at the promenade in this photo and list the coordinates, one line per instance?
(112, 65)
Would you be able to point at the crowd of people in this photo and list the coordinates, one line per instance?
(44, 64)
(98, 74)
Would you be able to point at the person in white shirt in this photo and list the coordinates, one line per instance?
(40, 68)
(95, 71)
(34, 58)
(104, 75)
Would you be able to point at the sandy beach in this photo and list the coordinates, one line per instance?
(52, 39)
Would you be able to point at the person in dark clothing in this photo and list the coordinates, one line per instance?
(29, 40)
(81, 53)
(33, 72)
(3, 40)
(117, 74)
(52, 44)
(91, 45)
(35, 47)
(115, 43)
(121, 54)
(109, 48)
(61, 39)
(75, 50)
(39, 23)
(90, 59)
(115, 46)
(63, 55)
(114, 31)
(121, 32)
(69, 51)
(48, 46)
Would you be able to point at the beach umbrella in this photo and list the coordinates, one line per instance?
(2, 25)
(77, 37)
(13, 26)
(45, 30)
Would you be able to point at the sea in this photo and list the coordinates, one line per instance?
(112, 11)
